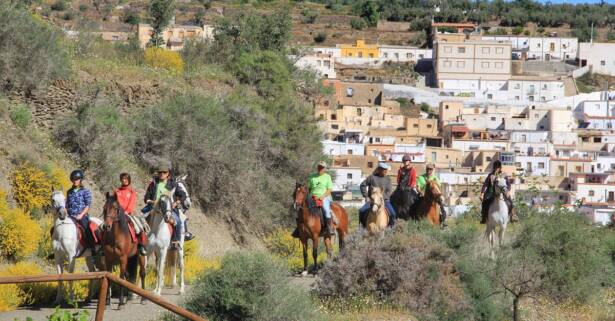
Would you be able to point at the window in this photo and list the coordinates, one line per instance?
(349, 176)
(499, 50)
(434, 156)
(461, 64)
(371, 55)
(448, 49)
(486, 50)
(421, 56)
(386, 55)
(541, 165)
(543, 98)
(492, 118)
(415, 126)
(334, 126)
(333, 116)
(538, 45)
(531, 98)
(445, 106)
(489, 96)
(350, 54)
(517, 98)
(327, 63)
(360, 54)
(544, 86)
(517, 85)
(115, 38)
(377, 139)
(428, 125)
(349, 92)
(349, 152)
(396, 55)
(488, 158)
(591, 193)
(499, 65)
(484, 64)
(447, 64)
(461, 50)
(602, 63)
(578, 169)
(370, 164)
(409, 55)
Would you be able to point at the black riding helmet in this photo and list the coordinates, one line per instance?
(76, 174)
(497, 164)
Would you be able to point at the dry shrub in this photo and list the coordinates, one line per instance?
(19, 234)
(413, 272)
(31, 186)
(164, 59)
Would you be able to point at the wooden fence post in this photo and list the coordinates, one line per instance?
(102, 299)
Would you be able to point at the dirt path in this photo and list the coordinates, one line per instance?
(134, 311)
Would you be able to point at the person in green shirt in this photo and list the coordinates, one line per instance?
(320, 186)
(421, 184)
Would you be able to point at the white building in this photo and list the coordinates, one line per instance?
(540, 48)
(403, 53)
(334, 148)
(598, 122)
(533, 89)
(474, 145)
(533, 165)
(333, 51)
(416, 150)
(322, 64)
(595, 108)
(600, 57)
(598, 213)
(604, 163)
(346, 177)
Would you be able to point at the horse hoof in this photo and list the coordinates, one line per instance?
(121, 306)
(304, 273)
(143, 301)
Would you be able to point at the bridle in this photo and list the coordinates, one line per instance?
(298, 204)
(165, 211)
(61, 214)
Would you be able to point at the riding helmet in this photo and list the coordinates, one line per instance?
(76, 174)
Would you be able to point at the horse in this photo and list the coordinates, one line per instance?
(66, 246)
(498, 214)
(309, 226)
(378, 218)
(119, 246)
(405, 203)
(159, 238)
(428, 206)
(176, 257)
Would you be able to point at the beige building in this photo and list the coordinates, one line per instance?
(175, 35)
(444, 157)
(564, 166)
(473, 65)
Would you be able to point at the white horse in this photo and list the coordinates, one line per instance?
(377, 219)
(498, 214)
(66, 246)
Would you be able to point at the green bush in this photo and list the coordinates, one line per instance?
(250, 286)
(517, 30)
(309, 15)
(33, 52)
(59, 5)
(21, 116)
(357, 23)
(320, 37)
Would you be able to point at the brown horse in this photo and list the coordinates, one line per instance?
(309, 226)
(428, 207)
(119, 245)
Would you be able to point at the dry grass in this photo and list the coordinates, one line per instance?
(602, 308)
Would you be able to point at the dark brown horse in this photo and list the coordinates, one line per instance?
(309, 226)
(428, 207)
(119, 246)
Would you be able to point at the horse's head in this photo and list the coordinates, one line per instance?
(434, 189)
(377, 199)
(499, 185)
(299, 195)
(58, 201)
(165, 206)
(111, 211)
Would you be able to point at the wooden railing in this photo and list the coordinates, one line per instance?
(105, 278)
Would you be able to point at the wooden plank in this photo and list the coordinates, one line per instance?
(51, 277)
(155, 299)
(102, 299)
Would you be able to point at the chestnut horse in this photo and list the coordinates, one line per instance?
(119, 245)
(428, 207)
(309, 226)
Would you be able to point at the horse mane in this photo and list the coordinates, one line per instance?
(121, 215)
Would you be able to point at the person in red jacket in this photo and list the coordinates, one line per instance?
(406, 175)
(127, 198)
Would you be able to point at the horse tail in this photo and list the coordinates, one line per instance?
(132, 268)
(171, 259)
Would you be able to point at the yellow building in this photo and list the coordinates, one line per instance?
(359, 50)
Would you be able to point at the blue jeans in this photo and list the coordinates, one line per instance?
(178, 229)
(364, 210)
(87, 233)
(326, 206)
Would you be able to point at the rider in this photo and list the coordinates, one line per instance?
(127, 198)
(320, 186)
(163, 183)
(421, 183)
(78, 202)
(378, 179)
(406, 175)
(486, 194)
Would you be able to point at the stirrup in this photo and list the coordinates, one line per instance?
(189, 236)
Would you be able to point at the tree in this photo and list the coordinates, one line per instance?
(161, 12)
(369, 13)
(320, 37)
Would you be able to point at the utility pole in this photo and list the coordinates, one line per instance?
(591, 35)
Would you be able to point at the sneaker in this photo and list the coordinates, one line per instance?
(141, 250)
(189, 236)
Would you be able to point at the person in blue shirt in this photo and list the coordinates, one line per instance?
(78, 202)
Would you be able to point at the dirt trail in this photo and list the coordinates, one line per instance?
(134, 311)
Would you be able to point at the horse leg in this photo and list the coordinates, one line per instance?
(329, 247)
(305, 257)
(173, 263)
(315, 241)
(142, 272)
(132, 274)
(89, 261)
(161, 260)
(108, 268)
(180, 263)
(60, 269)
(71, 269)
(123, 275)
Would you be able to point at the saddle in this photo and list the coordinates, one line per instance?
(80, 232)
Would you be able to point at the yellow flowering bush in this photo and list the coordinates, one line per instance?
(281, 244)
(19, 234)
(58, 177)
(11, 297)
(31, 186)
(45, 249)
(194, 266)
(164, 59)
(15, 295)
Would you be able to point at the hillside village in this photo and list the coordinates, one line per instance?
(469, 99)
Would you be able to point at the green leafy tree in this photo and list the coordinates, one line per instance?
(369, 12)
(161, 12)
